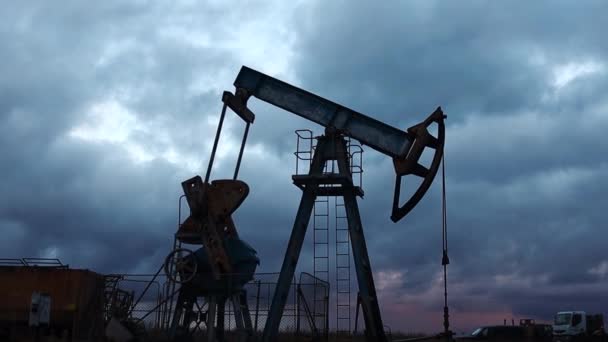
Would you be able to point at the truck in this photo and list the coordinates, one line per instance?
(578, 326)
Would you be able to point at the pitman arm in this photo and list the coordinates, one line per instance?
(405, 147)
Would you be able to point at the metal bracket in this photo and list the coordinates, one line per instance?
(238, 104)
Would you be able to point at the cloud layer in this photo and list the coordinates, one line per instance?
(106, 108)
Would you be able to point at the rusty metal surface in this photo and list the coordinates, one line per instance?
(76, 297)
(212, 205)
(226, 195)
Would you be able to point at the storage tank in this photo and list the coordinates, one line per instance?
(76, 297)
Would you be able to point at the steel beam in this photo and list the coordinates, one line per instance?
(369, 131)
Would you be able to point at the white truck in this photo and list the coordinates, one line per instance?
(578, 326)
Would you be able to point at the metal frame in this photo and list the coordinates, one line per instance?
(33, 262)
(330, 147)
(212, 314)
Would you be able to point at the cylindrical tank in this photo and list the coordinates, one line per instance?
(243, 259)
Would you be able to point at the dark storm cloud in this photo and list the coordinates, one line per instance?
(476, 58)
(85, 202)
(525, 157)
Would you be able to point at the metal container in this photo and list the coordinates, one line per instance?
(77, 298)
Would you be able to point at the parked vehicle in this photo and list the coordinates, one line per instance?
(578, 326)
(496, 333)
(527, 331)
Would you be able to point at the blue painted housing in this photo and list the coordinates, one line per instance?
(244, 262)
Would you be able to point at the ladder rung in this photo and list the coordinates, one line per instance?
(339, 254)
(343, 241)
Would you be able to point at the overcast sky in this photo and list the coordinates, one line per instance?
(106, 107)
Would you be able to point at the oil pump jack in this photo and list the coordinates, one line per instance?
(212, 221)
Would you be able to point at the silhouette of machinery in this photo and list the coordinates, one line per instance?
(219, 269)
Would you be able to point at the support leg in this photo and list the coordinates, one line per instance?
(374, 329)
(357, 312)
(245, 312)
(174, 330)
(238, 317)
(220, 319)
(288, 269)
(188, 311)
(242, 317)
(211, 318)
(298, 233)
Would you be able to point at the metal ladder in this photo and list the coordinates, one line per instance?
(320, 251)
(305, 147)
(304, 152)
(343, 304)
(321, 238)
(343, 245)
